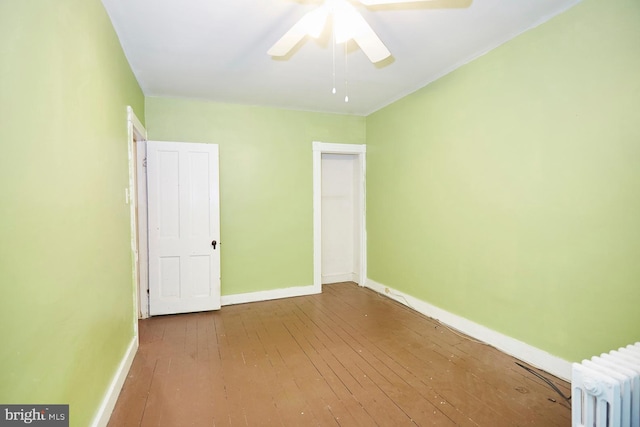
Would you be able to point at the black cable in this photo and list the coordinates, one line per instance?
(553, 386)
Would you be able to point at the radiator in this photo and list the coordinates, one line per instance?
(606, 389)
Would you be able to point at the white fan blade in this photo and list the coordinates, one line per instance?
(369, 41)
(383, 2)
(348, 23)
(286, 42)
(313, 22)
(373, 47)
(310, 24)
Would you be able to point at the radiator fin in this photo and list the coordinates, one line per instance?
(606, 389)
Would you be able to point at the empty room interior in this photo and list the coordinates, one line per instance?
(426, 235)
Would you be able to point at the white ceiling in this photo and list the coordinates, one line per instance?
(216, 49)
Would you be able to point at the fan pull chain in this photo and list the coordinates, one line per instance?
(333, 46)
(346, 73)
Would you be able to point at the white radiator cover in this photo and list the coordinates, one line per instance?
(606, 389)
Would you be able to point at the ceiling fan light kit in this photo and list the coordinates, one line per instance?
(348, 24)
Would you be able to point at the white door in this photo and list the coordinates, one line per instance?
(340, 218)
(357, 159)
(184, 227)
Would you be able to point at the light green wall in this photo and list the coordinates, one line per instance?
(508, 192)
(66, 310)
(266, 182)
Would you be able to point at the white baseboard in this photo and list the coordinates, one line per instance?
(338, 278)
(525, 352)
(111, 397)
(296, 291)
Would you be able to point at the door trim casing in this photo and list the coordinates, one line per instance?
(320, 148)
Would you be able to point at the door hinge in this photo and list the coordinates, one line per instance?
(144, 162)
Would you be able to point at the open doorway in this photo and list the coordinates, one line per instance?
(137, 199)
(340, 226)
(339, 213)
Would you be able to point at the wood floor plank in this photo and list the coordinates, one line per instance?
(356, 361)
(351, 319)
(455, 395)
(345, 357)
(333, 404)
(320, 359)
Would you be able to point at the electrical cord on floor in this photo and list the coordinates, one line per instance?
(462, 334)
(394, 296)
(548, 381)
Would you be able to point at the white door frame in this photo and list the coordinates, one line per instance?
(137, 133)
(320, 148)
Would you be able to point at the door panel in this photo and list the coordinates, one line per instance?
(340, 218)
(184, 218)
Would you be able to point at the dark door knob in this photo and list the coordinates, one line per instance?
(214, 243)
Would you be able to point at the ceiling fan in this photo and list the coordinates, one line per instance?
(348, 24)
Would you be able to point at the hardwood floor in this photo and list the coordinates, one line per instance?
(346, 357)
